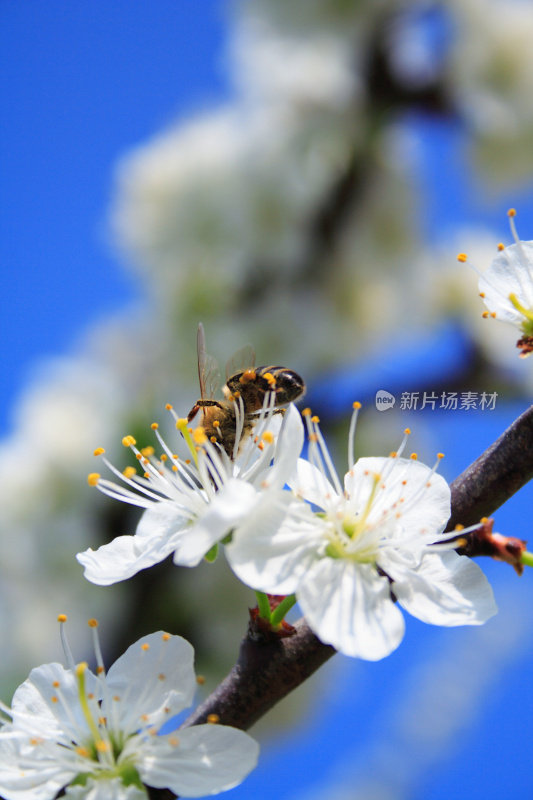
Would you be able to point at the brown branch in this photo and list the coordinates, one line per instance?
(495, 476)
(265, 672)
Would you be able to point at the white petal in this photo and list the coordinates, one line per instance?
(269, 550)
(39, 781)
(208, 759)
(229, 505)
(161, 521)
(509, 274)
(349, 606)
(122, 558)
(33, 704)
(312, 485)
(446, 589)
(112, 789)
(407, 492)
(153, 674)
(288, 448)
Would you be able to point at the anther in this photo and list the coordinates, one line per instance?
(128, 441)
(145, 647)
(129, 472)
(413, 456)
(511, 212)
(212, 719)
(501, 247)
(154, 426)
(93, 478)
(356, 405)
(92, 623)
(200, 680)
(99, 451)
(169, 407)
(462, 257)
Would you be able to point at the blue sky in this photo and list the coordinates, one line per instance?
(79, 87)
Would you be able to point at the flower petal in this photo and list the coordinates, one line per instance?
(446, 589)
(288, 448)
(509, 274)
(349, 606)
(311, 484)
(198, 761)
(408, 492)
(120, 559)
(229, 505)
(269, 550)
(39, 780)
(155, 676)
(38, 707)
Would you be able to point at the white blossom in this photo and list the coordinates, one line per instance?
(190, 507)
(507, 287)
(99, 734)
(371, 543)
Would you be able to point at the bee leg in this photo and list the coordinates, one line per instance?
(193, 412)
(201, 404)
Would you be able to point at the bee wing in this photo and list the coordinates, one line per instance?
(208, 369)
(241, 360)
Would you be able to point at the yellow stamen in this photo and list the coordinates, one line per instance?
(128, 441)
(154, 426)
(527, 312)
(93, 478)
(129, 472)
(99, 451)
(462, 257)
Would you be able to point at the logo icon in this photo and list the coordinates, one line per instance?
(384, 400)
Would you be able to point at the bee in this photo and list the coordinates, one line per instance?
(230, 421)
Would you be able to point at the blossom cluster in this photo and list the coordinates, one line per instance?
(348, 552)
(103, 736)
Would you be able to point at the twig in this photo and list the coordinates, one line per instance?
(495, 476)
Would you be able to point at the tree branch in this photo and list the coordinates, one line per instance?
(495, 476)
